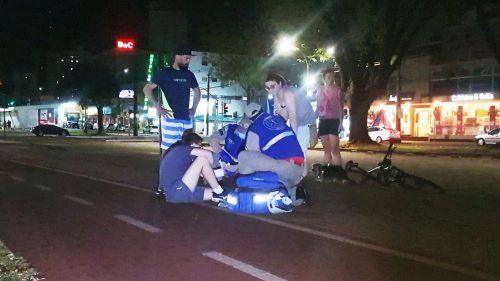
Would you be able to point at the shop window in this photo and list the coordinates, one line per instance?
(481, 84)
(436, 74)
(464, 72)
(204, 60)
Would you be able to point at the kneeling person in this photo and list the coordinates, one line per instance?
(180, 171)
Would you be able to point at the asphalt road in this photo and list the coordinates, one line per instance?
(84, 210)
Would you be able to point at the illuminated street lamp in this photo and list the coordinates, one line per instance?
(286, 46)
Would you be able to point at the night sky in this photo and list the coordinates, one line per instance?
(30, 29)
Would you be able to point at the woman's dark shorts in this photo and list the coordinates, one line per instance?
(179, 192)
(328, 127)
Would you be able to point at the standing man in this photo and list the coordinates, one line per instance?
(175, 82)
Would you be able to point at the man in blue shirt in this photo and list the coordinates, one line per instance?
(176, 82)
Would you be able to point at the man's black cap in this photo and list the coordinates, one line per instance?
(183, 51)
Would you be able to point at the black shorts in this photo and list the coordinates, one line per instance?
(328, 127)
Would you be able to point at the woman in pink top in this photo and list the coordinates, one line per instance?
(329, 110)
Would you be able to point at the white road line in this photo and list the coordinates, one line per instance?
(369, 246)
(241, 266)
(42, 187)
(79, 200)
(130, 186)
(138, 223)
(338, 238)
(16, 178)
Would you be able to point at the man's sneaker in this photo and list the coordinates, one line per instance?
(303, 193)
(221, 197)
(159, 191)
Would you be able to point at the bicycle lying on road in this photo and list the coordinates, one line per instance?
(385, 173)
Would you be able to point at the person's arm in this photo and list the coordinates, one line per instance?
(291, 109)
(196, 101)
(252, 142)
(200, 152)
(148, 92)
(216, 138)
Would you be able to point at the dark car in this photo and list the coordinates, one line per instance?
(42, 130)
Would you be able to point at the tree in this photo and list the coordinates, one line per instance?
(98, 86)
(372, 38)
(247, 71)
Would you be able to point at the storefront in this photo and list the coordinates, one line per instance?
(456, 116)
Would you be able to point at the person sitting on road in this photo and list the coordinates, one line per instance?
(233, 136)
(273, 146)
(180, 171)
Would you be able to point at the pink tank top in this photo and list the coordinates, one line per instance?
(329, 103)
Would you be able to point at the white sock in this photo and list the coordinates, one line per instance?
(218, 189)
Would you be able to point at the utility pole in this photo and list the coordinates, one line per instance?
(207, 115)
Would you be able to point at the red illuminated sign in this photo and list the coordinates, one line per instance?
(125, 44)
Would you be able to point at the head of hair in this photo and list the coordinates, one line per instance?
(189, 138)
(276, 77)
(328, 70)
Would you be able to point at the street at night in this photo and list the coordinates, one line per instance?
(84, 209)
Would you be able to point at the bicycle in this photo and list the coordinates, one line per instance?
(385, 173)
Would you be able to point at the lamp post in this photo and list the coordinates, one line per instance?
(286, 45)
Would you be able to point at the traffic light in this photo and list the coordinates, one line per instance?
(226, 108)
(12, 102)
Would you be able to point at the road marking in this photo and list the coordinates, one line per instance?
(138, 223)
(244, 267)
(130, 186)
(338, 238)
(79, 200)
(42, 187)
(369, 246)
(16, 178)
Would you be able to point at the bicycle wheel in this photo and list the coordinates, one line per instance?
(419, 183)
(360, 177)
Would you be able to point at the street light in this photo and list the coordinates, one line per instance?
(286, 46)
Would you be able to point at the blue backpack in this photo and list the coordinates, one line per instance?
(259, 193)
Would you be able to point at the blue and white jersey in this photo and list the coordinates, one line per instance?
(234, 143)
(276, 139)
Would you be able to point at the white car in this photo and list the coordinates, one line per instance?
(492, 137)
(380, 134)
(151, 130)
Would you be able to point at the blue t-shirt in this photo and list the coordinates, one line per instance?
(176, 85)
(174, 165)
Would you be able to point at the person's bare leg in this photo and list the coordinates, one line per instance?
(335, 148)
(200, 166)
(325, 140)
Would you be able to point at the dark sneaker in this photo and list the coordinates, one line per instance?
(217, 198)
(159, 191)
(303, 193)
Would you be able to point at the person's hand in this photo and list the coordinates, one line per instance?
(164, 111)
(192, 112)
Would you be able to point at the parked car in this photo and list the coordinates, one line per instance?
(46, 129)
(380, 134)
(111, 127)
(151, 130)
(492, 137)
(72, 125)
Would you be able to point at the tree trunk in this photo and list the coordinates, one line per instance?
(100, 115)
(360, 104)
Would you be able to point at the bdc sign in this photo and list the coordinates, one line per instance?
(125, 44)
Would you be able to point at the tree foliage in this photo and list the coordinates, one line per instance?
(98, 86)
(372, 38)
(247, 71)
